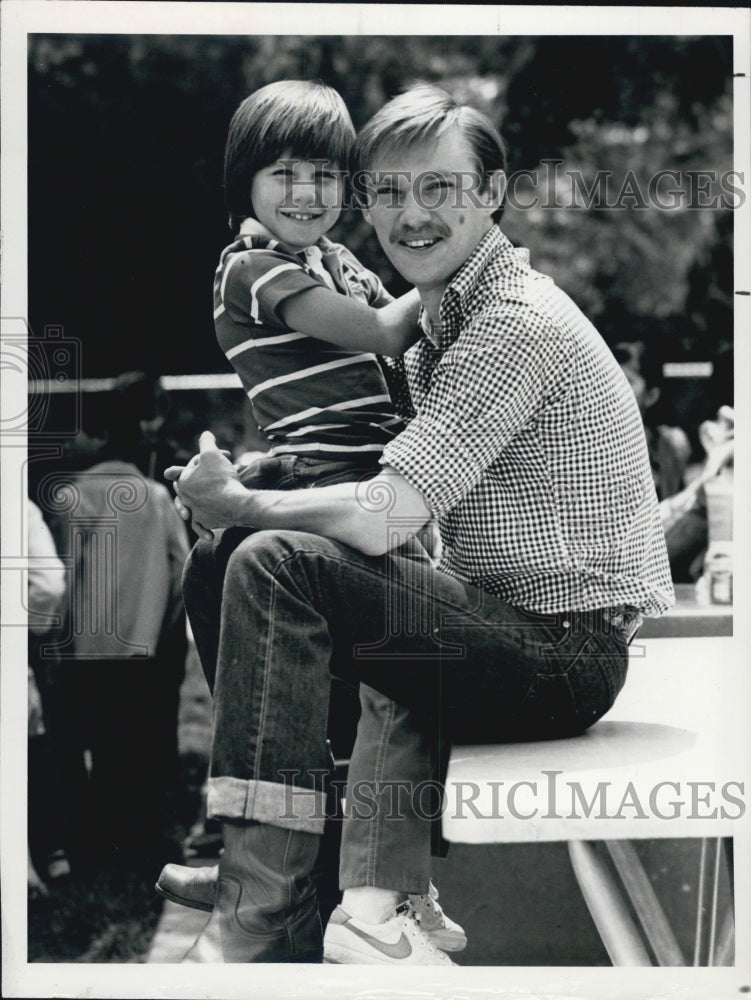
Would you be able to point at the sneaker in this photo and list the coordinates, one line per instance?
(398, 941)
(444, 932)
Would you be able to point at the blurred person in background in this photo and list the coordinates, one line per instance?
(124, 651)
(668, 445)
(685, 514)
(47, 808)
(680, 486)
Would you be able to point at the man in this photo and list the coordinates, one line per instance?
(526, 446)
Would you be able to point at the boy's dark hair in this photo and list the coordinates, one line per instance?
(299, 118)
(425, 112)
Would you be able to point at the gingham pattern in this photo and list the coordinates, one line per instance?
(529, 446)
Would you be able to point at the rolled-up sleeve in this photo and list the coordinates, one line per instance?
(487, 386)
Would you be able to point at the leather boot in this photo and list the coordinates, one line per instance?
(266, 908)
(188, 886)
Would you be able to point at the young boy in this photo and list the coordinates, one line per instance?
(300, 320)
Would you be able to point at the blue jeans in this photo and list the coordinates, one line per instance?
(387, 742)
(461, 665)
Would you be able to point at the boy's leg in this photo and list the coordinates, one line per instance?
(386, 836)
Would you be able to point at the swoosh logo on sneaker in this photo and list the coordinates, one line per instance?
(400, 949)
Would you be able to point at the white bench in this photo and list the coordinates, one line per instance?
(679, 720)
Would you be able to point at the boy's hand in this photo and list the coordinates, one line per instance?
(208, 488)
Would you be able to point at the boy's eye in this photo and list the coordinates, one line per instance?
(325, 175)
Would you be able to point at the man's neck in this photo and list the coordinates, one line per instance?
(431, 301)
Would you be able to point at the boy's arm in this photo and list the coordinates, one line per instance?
(373, 517)
(326, 315)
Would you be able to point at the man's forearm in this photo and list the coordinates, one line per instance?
(333, 511)
(373, 516)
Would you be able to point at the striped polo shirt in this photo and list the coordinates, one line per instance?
(309, 397)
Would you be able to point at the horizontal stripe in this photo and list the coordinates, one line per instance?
(264, 280)
(246, 345)
(219, 310)
(348, 404)
(314, 428)
(304, 373)
(320, 446)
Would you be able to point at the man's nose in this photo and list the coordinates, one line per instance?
(413, 210)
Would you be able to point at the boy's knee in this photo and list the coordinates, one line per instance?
(207, 561)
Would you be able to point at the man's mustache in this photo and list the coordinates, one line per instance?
(425, 233)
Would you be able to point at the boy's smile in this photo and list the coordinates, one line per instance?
(297, 201)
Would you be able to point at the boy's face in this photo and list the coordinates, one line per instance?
(430, 208)
(297, 201)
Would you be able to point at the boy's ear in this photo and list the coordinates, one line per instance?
(366, 216)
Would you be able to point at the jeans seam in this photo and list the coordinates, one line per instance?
(265, 688)
(375, 828)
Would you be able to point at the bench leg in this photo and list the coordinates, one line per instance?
(607, 906)
(653, 920)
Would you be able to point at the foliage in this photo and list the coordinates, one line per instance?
(126, 138)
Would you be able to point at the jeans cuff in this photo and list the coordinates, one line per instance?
(266, 802)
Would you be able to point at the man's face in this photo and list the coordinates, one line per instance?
(430, 207)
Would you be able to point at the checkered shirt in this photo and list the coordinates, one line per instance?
(529, 448)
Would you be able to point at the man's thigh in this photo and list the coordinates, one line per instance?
(466, 662)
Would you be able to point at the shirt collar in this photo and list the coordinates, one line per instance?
(459, 295)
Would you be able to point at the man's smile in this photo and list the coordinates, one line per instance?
(423, 239)
(420, 244)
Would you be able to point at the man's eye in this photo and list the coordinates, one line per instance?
(325, 175)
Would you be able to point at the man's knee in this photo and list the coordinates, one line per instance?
(270, 548)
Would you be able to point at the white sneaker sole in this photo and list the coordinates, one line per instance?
(448, 940)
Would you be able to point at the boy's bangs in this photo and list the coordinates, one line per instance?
(322, 139)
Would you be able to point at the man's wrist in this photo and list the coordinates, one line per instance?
(246, 508)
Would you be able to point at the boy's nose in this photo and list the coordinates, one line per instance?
(304, 193)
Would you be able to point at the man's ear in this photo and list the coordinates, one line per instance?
(495, 189)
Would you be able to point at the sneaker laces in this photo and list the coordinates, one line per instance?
(407, 910)
(429, 900)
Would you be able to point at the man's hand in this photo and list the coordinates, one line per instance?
(208, 489)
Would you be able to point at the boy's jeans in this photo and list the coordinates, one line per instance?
(464, 666)
(388, 742)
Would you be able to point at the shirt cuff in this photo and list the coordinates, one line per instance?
(435, 461)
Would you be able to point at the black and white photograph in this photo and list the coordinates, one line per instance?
(435, 679)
